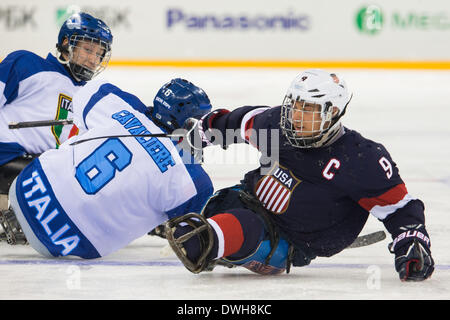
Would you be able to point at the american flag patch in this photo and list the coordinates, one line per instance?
(275, 189)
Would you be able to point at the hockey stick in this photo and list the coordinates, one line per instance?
(361, 241)
(39, 123)
(46, 123)
(368, 239)
(186, 132)
(149, 135)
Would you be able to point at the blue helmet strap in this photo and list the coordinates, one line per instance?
(63, 48)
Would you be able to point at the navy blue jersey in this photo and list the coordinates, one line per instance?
(321, 197)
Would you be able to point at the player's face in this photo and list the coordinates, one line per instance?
(306, 119)
(88, 54)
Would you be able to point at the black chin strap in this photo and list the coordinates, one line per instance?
(339, 130)
(157, 121)
(344, 110)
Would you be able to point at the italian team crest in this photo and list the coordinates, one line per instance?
(61, 132)
(275, 189)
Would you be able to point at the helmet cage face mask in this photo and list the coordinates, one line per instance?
(312, 108)
(84, 45)
(305, 123)
(84, 48)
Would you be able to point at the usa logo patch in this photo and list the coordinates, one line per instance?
(275, 189)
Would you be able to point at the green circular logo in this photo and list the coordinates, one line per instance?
(63, 13)
(369, 20)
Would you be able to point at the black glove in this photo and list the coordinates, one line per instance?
(413, 259)
(200, 133)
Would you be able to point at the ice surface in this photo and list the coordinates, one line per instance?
(407, 111)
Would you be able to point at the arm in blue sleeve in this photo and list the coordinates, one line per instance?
(9, 80)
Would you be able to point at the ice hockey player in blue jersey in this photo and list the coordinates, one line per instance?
(112, 183)
(33, 88)
(311, 199)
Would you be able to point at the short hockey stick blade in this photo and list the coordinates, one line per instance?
(368, 239)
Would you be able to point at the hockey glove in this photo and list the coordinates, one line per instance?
(411, 247)
(200, 133)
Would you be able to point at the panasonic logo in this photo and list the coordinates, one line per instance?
(258, 22)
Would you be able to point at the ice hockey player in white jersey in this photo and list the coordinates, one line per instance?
(91, 198)
(33, 88)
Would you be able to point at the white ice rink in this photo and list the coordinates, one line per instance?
(407, 111)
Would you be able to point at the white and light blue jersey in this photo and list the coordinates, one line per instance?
(33, 88)
(95, 197)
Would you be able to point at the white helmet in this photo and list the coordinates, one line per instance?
(314, 103)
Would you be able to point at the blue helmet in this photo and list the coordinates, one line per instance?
(84, 27)
(177, 101)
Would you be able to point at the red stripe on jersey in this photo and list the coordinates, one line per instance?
(213, 115)
(232, 232)
(248, 127)
(390, 197)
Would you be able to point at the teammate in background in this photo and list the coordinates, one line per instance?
(313, 201)
(33, 88)
(90, 198)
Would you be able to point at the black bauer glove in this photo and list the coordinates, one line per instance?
(411, 247)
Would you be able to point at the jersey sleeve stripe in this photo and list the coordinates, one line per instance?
(381, 212)
(390, 197)
(247, 122)
(248, 129)
(388, 202)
